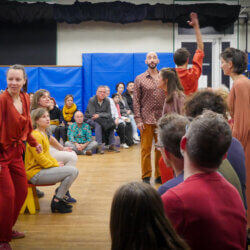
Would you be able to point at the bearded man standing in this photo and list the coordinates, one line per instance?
(148, 104)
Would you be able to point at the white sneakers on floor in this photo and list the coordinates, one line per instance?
(124, 145)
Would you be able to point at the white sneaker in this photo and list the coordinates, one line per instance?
(124, 145)
(136, 137)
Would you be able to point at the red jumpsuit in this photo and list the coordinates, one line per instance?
(15, 129)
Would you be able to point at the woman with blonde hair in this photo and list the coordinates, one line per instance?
(60, 153)
(68, 112)
(42, 169)
(15, 130)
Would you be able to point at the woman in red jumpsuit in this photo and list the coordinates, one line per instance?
(15, 129)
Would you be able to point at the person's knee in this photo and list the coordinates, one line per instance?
(74, 172)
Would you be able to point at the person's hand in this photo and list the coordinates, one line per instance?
(140, 126)
(61, 164)
(95, 116)
(39, 148)
(194, 21)
(68, 149)
(128, 112)
(117, 121)
(69, 123)
(62, 124)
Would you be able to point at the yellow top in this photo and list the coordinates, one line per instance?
(35, 162)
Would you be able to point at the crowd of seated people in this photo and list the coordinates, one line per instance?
(203, 137)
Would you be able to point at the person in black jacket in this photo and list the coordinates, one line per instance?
(55, 115)
(128, 94)
(98, 116)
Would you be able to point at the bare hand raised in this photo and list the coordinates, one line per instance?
(194, 21)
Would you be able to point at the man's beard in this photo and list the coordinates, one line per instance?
(152, 65)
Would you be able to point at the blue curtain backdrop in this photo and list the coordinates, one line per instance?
(59, 81)
(111, 68)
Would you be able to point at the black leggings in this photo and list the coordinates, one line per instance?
(61, 131)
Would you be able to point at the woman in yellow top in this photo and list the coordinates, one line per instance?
(68, 112)
(42, 169)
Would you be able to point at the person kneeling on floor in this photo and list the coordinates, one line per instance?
(80, 136)
(43, 169)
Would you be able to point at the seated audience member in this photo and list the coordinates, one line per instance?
(170, 83)
(137, 220)
(54, 114)
(43, 168)
(189, 77)
(61, 154)
(171, 129)
(128, 94)
(205, 209)
(68, 112)
(125, 110)
(211, 100)
(80, 136)
(98, 115)
(123, 125)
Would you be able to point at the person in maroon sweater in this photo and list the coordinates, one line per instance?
(205, 209)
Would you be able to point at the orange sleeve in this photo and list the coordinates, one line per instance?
(238, 102)
(196, 69)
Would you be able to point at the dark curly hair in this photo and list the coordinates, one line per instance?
(238, 58)
(205, 100)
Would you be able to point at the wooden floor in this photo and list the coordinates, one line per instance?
(87, 227)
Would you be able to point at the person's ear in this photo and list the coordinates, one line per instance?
(146, 61)
(230, 64)
(225, 156)
(158, 61)
(183, 143)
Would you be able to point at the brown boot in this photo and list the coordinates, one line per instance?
(99, 150)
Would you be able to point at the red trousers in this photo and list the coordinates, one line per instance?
(13, 189)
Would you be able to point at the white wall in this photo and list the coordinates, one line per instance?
(90, 37)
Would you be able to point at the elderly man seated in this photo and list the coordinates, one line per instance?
(80, 136)
(98, 115)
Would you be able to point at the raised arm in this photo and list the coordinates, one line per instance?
(194, 22)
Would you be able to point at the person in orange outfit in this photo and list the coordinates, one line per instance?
(234, 64)
(189, 77)
(15, 129)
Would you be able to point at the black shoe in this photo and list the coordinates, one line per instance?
(146, 180)
(68, 198)
(40, 194)
(158, 180)
(60, 206)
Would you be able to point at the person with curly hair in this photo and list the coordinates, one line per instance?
(211, 100)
